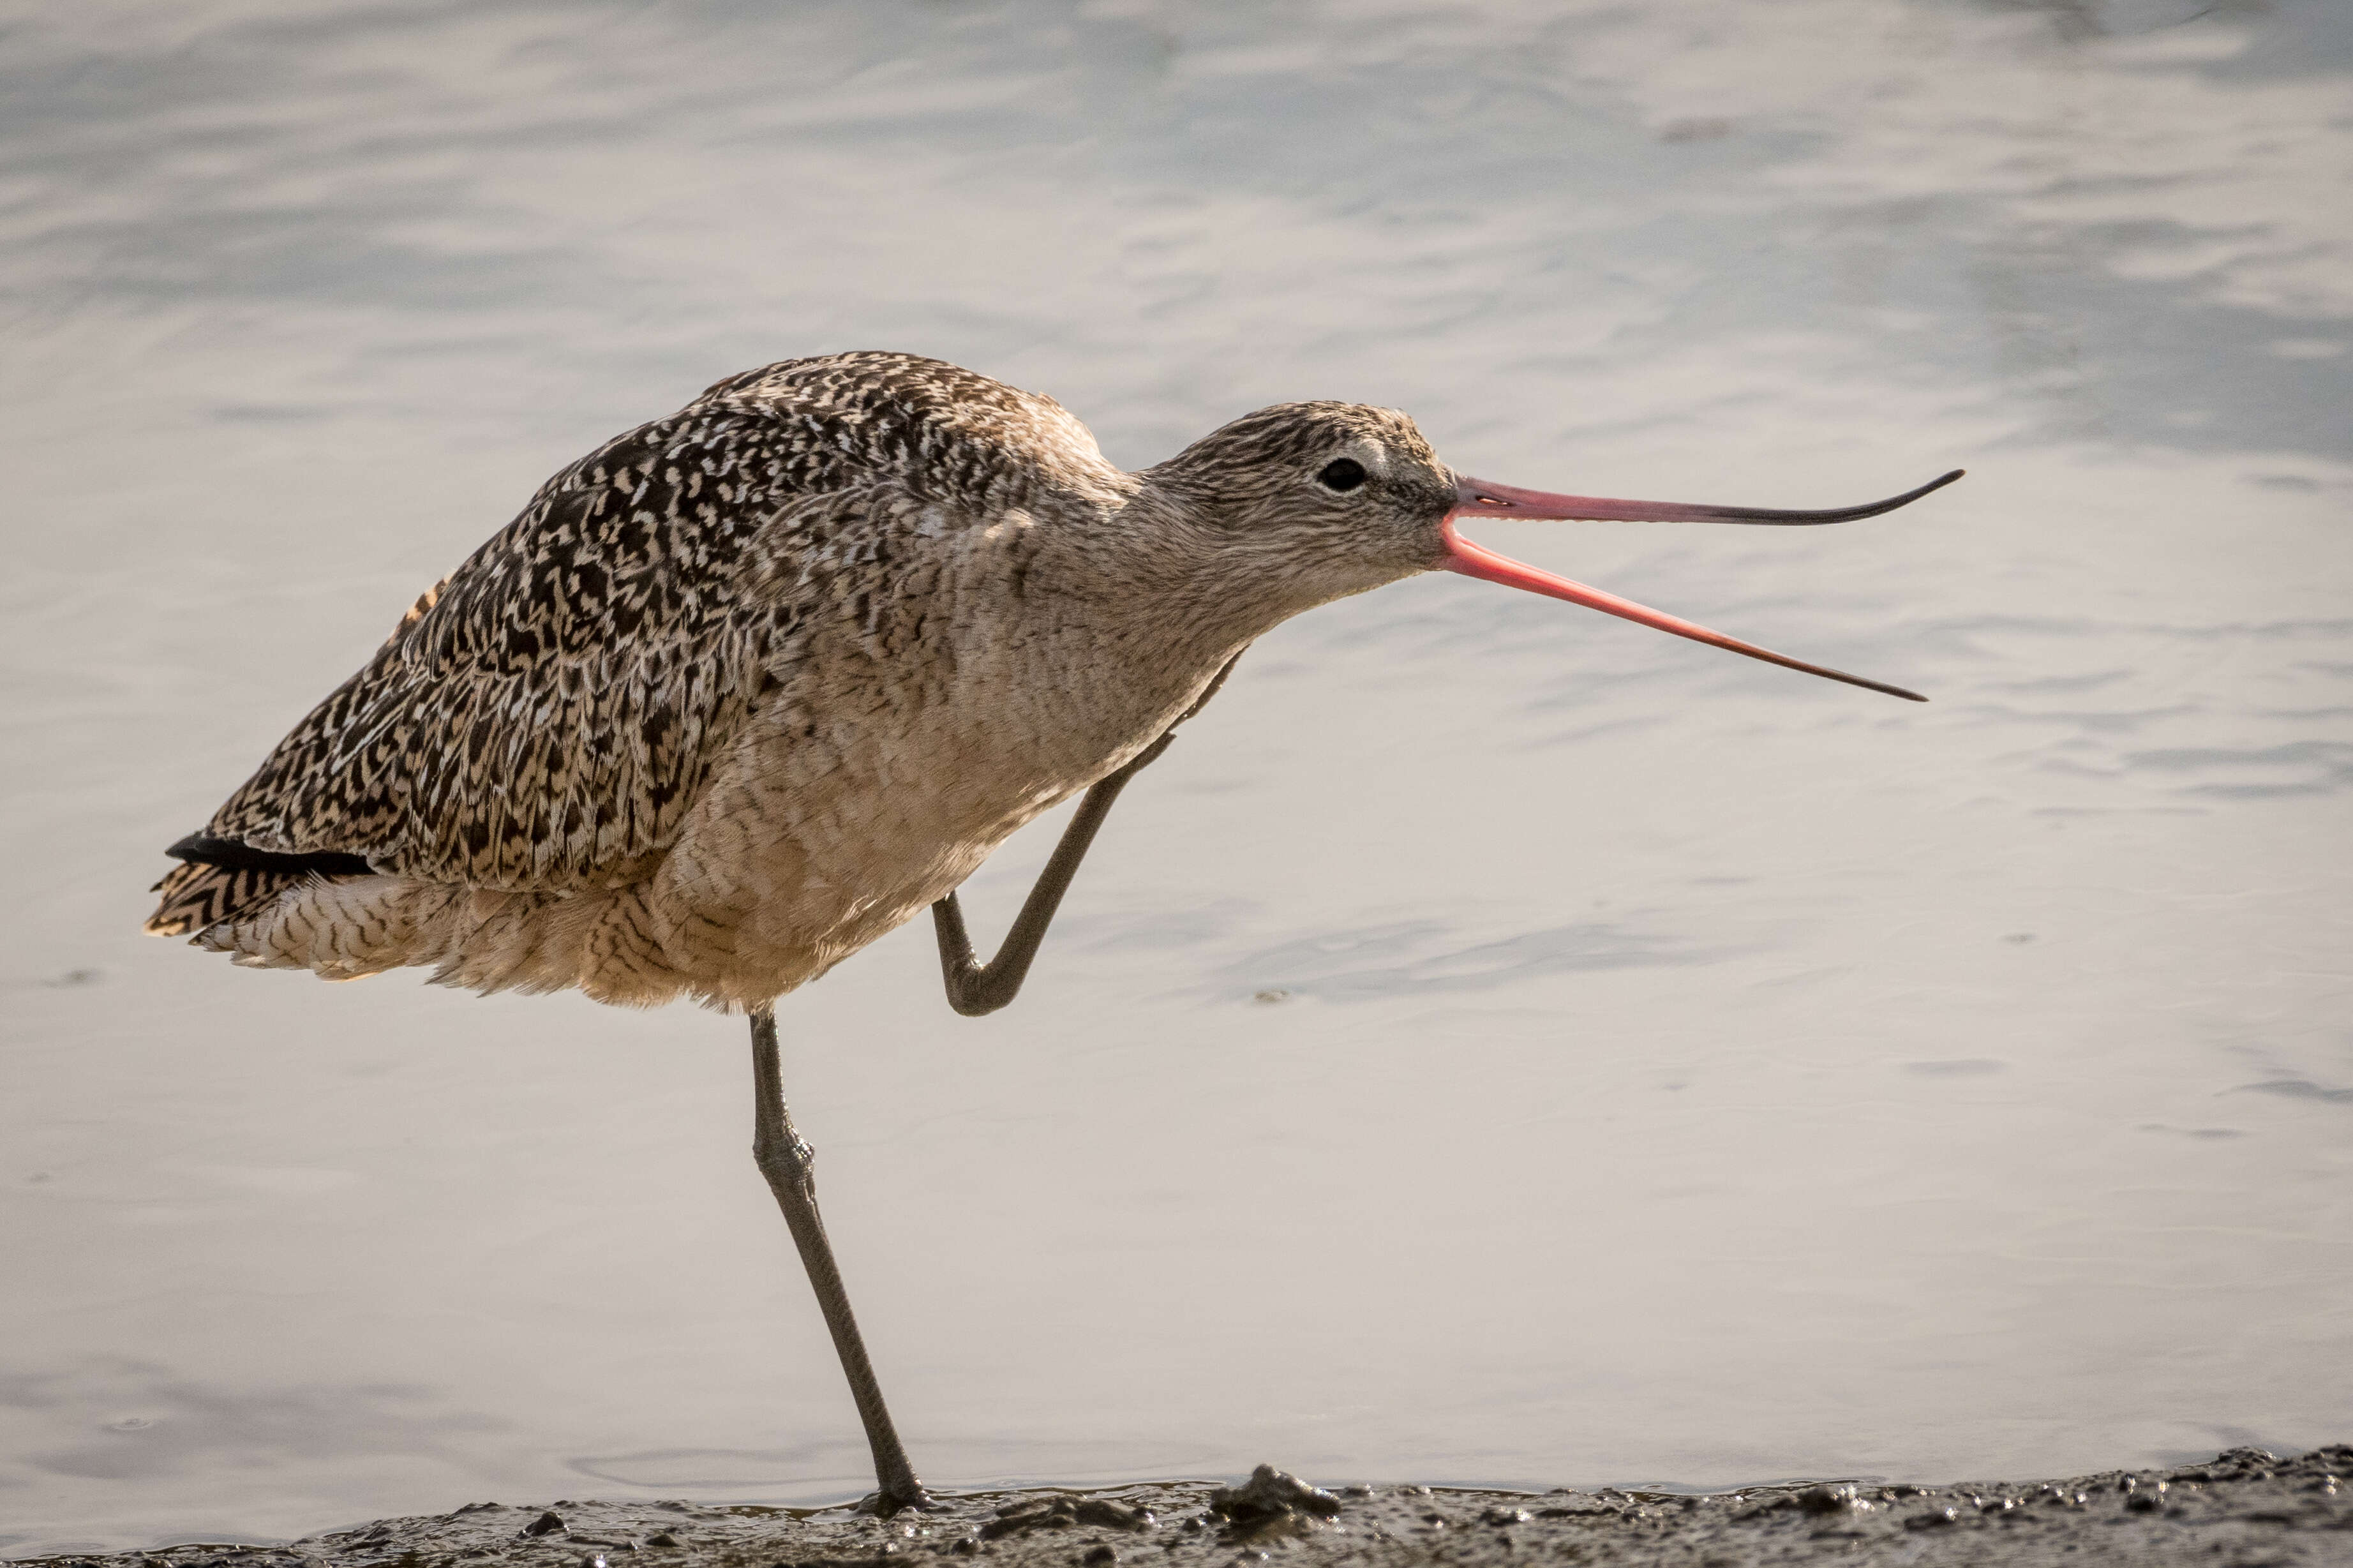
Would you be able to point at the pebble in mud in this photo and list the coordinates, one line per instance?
(1268, 1493)
(2240, 1509)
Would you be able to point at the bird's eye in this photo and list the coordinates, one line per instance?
(1341, 474)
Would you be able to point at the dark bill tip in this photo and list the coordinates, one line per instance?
(1478, 498)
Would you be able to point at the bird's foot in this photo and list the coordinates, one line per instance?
(890, 1501)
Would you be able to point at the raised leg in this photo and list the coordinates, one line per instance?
(786, 1161)
(975, 988)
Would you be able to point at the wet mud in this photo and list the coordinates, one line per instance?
(2244, 1509)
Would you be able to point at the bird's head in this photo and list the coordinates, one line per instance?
(1331, 499)
(1337, 497)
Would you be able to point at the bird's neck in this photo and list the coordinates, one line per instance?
(1175, 577)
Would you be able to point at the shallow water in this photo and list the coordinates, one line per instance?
(1684, 1072)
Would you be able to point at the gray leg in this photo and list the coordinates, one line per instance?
(785, 1161)
(975, 988)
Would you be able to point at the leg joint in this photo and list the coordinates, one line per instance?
(784, 1156)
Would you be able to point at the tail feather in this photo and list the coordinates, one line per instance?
(196, 897)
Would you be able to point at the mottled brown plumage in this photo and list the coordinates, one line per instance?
(751, 685)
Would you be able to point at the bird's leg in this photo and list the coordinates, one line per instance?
(786, 1161)
(975, 988)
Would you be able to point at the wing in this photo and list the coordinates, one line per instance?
(546, 714)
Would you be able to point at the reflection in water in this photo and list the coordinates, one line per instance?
(1659, 1088)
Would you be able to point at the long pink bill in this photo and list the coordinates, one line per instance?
(1481, 499)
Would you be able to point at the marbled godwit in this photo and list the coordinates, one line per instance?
(750, 686)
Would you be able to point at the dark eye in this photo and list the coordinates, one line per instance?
(1341, 474)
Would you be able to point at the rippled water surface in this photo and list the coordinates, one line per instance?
(1682, 1070)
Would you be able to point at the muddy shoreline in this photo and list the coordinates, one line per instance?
(2243, 1509)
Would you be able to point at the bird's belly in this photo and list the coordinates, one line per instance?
(811, 842)
(797, 860)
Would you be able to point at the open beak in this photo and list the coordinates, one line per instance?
(1477, 498)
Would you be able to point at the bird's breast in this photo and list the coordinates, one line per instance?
(908, 736)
